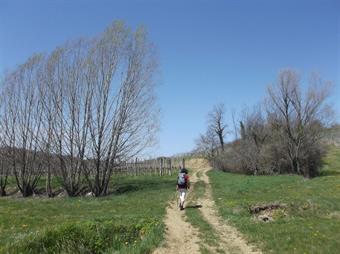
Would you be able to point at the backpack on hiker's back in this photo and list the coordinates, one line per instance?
(182, 179)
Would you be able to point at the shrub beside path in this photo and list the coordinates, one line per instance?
(182, 237)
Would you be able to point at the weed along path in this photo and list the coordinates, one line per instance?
(200, 229)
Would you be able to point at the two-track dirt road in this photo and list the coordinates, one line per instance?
(182, 237)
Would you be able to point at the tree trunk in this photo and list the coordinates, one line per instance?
(48, 183)
(221, 141)
(3, 191)
(27, 190)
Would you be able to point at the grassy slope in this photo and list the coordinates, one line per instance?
(140, 198)
(312, 223)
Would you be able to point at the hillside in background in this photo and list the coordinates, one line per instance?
(332, 135)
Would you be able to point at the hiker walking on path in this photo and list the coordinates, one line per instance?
(183, 185)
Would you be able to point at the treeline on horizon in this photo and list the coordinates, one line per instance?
(283, 134)
(78, 112)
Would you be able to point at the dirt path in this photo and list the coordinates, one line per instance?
(231, 240)
(178, 240)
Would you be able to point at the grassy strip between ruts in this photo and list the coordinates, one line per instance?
(209, 237)
(128, 221)
(308, 224)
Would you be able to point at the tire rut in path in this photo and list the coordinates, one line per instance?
(180, 237)
(231, 240)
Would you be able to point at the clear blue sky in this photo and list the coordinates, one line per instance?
(210, 51)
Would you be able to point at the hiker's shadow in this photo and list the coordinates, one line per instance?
(193, 206)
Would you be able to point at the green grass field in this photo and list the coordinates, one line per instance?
(310, 223)
(128, 221)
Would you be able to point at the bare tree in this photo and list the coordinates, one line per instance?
(68, 99)
(299, 119)
(254, 126)
(286, 138)
(122, 113)
(236, 131)
(4, 163)
(207, 144)
(80, 112)
(254, 133)
(22, 123)
(216, 120)
(47, 91)
(4, 172)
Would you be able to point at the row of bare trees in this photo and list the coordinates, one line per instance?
(79, 112)
(281, 135)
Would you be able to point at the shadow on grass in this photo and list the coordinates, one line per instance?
(139, 185)
(125, 188)
(330, 173)
(193, 206)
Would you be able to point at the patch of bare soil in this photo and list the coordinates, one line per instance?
(268, 212)
(334, 215)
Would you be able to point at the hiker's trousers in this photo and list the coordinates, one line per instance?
(182, 194)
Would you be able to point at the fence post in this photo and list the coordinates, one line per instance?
(170, 167)
(156, 167)
(136, 166)
(161, 166)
